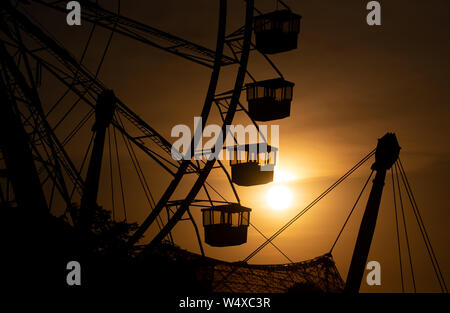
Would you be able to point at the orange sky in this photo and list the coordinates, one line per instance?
(353, 84)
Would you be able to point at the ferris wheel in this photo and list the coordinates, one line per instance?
(54, 176)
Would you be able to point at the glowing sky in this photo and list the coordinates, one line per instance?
(353, 84)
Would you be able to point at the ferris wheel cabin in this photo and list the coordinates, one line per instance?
(269, 99)
(252, 164)
(277, 31)
(226, 225)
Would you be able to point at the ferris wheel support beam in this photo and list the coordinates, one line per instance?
(18, 158)
(22, 91)
(386, 155)
(104, 112)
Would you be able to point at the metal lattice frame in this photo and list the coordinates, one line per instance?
(320, 272)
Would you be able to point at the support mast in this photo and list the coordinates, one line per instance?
(104, 113)
(385, 156)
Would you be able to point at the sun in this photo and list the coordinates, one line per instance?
(279, 197)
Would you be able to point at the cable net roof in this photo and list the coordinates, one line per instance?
(316, 275)
(319, 275)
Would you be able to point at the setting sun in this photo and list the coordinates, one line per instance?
(279, 197)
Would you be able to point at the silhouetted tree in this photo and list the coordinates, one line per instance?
(106, 236)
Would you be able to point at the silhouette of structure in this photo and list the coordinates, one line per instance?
(269, 100)
(226, 225)
(277, 31)
(385, 157)
(42, 178)
(317, 275)
(252, 164)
